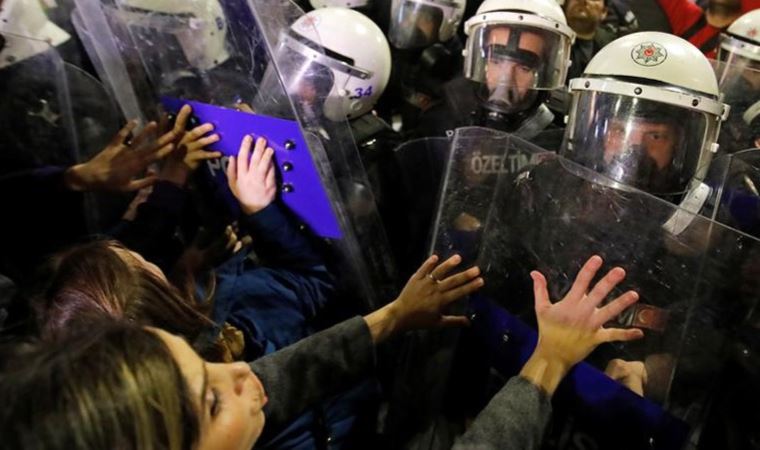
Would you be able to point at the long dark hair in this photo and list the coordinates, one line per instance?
(100, 279)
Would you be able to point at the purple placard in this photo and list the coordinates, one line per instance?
(301, 188)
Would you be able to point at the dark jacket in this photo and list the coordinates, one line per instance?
(275, 304)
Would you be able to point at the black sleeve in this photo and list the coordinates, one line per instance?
(42, 216)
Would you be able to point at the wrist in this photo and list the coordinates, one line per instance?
(175, 175)
(249, 210)
(545, 370)
(75, 178)
(383, 323)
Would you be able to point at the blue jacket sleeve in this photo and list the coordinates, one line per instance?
(278, 239)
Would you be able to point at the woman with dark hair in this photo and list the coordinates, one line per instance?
(270, 307)
(120, 386)
(240, 311)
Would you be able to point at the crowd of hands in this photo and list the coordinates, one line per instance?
(569, 329)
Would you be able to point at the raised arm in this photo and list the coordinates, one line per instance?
(276, 236)
(568, 331)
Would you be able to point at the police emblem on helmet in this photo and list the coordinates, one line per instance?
(649, 54)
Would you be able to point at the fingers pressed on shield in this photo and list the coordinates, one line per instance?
(615, 307)
(439, 273)
(459, 279)
(603, 288)
(540, 292)
(121, 137)
(584, 278)
(145, 135)
(426, 267)
(453, 295)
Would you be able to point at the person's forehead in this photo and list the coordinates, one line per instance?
(500, 35)
(190, 364)
(650, 125)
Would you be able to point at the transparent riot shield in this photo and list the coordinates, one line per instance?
(38, 126)
(735, 178)
(698, 297)
(225, 60)
(552, 218)
(421, 164)
(738, 199)
(53, 114)
(430, 362)
(117, 63)
(477, 159)
(308, 84)
(739, 82)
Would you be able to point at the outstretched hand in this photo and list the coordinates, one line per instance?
(422, 302)
(572, 328)
(252, 180)
(122, 164)
(190, 148)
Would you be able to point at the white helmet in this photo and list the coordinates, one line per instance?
(646, 114)
(515, 47)
(199, 26)
(21, 20)
(421, 23)
(742, 38)
(316, 4)
(342, 55)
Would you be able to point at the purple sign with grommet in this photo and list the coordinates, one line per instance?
(300, 188)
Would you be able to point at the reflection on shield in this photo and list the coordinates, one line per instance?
(739, 81)
(418, 24)
(36, 111)
(738, 199)
(695, 308)
(421, 164)
(54, 113)
(231, 58)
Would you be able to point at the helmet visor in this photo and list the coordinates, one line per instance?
(523, 57)
(635, 142)
(738, 78)
(416, 24)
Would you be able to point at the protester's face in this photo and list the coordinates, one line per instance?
(229, 397)
(588, 11)
(657, 139)
(519, 77)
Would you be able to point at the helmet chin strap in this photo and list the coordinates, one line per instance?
(689, 208)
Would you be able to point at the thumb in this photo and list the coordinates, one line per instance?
(136, 185)
(618, 334)
(453, 322)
